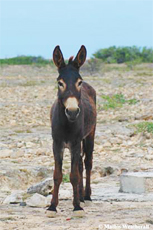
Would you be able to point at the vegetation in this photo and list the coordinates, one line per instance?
(130, 55)
(144, 127)
(93, 66)
(116, 100)
(125, 54)
(66, 178)
(30, 83)
(25, 60)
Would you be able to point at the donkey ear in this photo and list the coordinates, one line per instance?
(80, 57)
(58, 57)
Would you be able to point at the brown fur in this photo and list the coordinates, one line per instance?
(73, 127)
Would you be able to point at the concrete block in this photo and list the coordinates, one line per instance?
(136, 182)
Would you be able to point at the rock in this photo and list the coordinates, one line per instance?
(14, 198)
(37, 200)
(111, 193)
(116, 141)
(5, 153)
(106, 171)
(150, 150)
(17, 154)
(136, 182)
(107, 144)
(30, 144)
(121, 119)
(64, 194)
(119, 129)
(2, 145)
(43, 188)
(145, 117)
(23, 204)
(13, 122)
(43, 151)
(122, 170)
(109, 170)
(49, 197)
(20, 144)
(43, 172)
(149, 157)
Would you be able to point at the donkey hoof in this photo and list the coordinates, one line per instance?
(79, 213)
(51, 214)
(51, 211)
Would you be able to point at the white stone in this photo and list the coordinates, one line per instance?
(2, 145)
(20, 144)
(64, 194)
(136, 182)
(17, 154)
(43, 151)
(43, 188)
(107, 192)
(15, 197)
(37, 200)
(30, 144)
(107, 144)
(149, 157)
(49, 199)
(5, 153)
(12, 122)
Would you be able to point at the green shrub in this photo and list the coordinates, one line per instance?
(25, 60)
(116, 100)
(93, 65)
(144, 127)
(147, 55)
(66, 178)
(132, 101)
(125, 54)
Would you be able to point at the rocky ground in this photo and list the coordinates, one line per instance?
(26, 95)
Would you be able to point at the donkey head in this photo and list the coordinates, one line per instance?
(69, 81)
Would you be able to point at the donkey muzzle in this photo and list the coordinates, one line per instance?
(72, 114)
(72, 109)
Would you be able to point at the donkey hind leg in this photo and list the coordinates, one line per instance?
(81, 189)
(58, 157)
(88, 150)
(75, 175)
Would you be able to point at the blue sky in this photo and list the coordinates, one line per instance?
(35, 27)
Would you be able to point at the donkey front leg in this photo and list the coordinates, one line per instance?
(75, 175)
(58, 157)
(81, 189)
(88, 146)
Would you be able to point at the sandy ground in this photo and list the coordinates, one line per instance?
(26, 95)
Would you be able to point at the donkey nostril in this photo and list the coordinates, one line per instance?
(78, 110)
(66, 110)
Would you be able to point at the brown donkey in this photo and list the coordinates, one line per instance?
(73, 118)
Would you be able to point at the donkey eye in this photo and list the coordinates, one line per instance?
(79, 83)
(60, 84)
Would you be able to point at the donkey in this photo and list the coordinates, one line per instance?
(73, 119)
